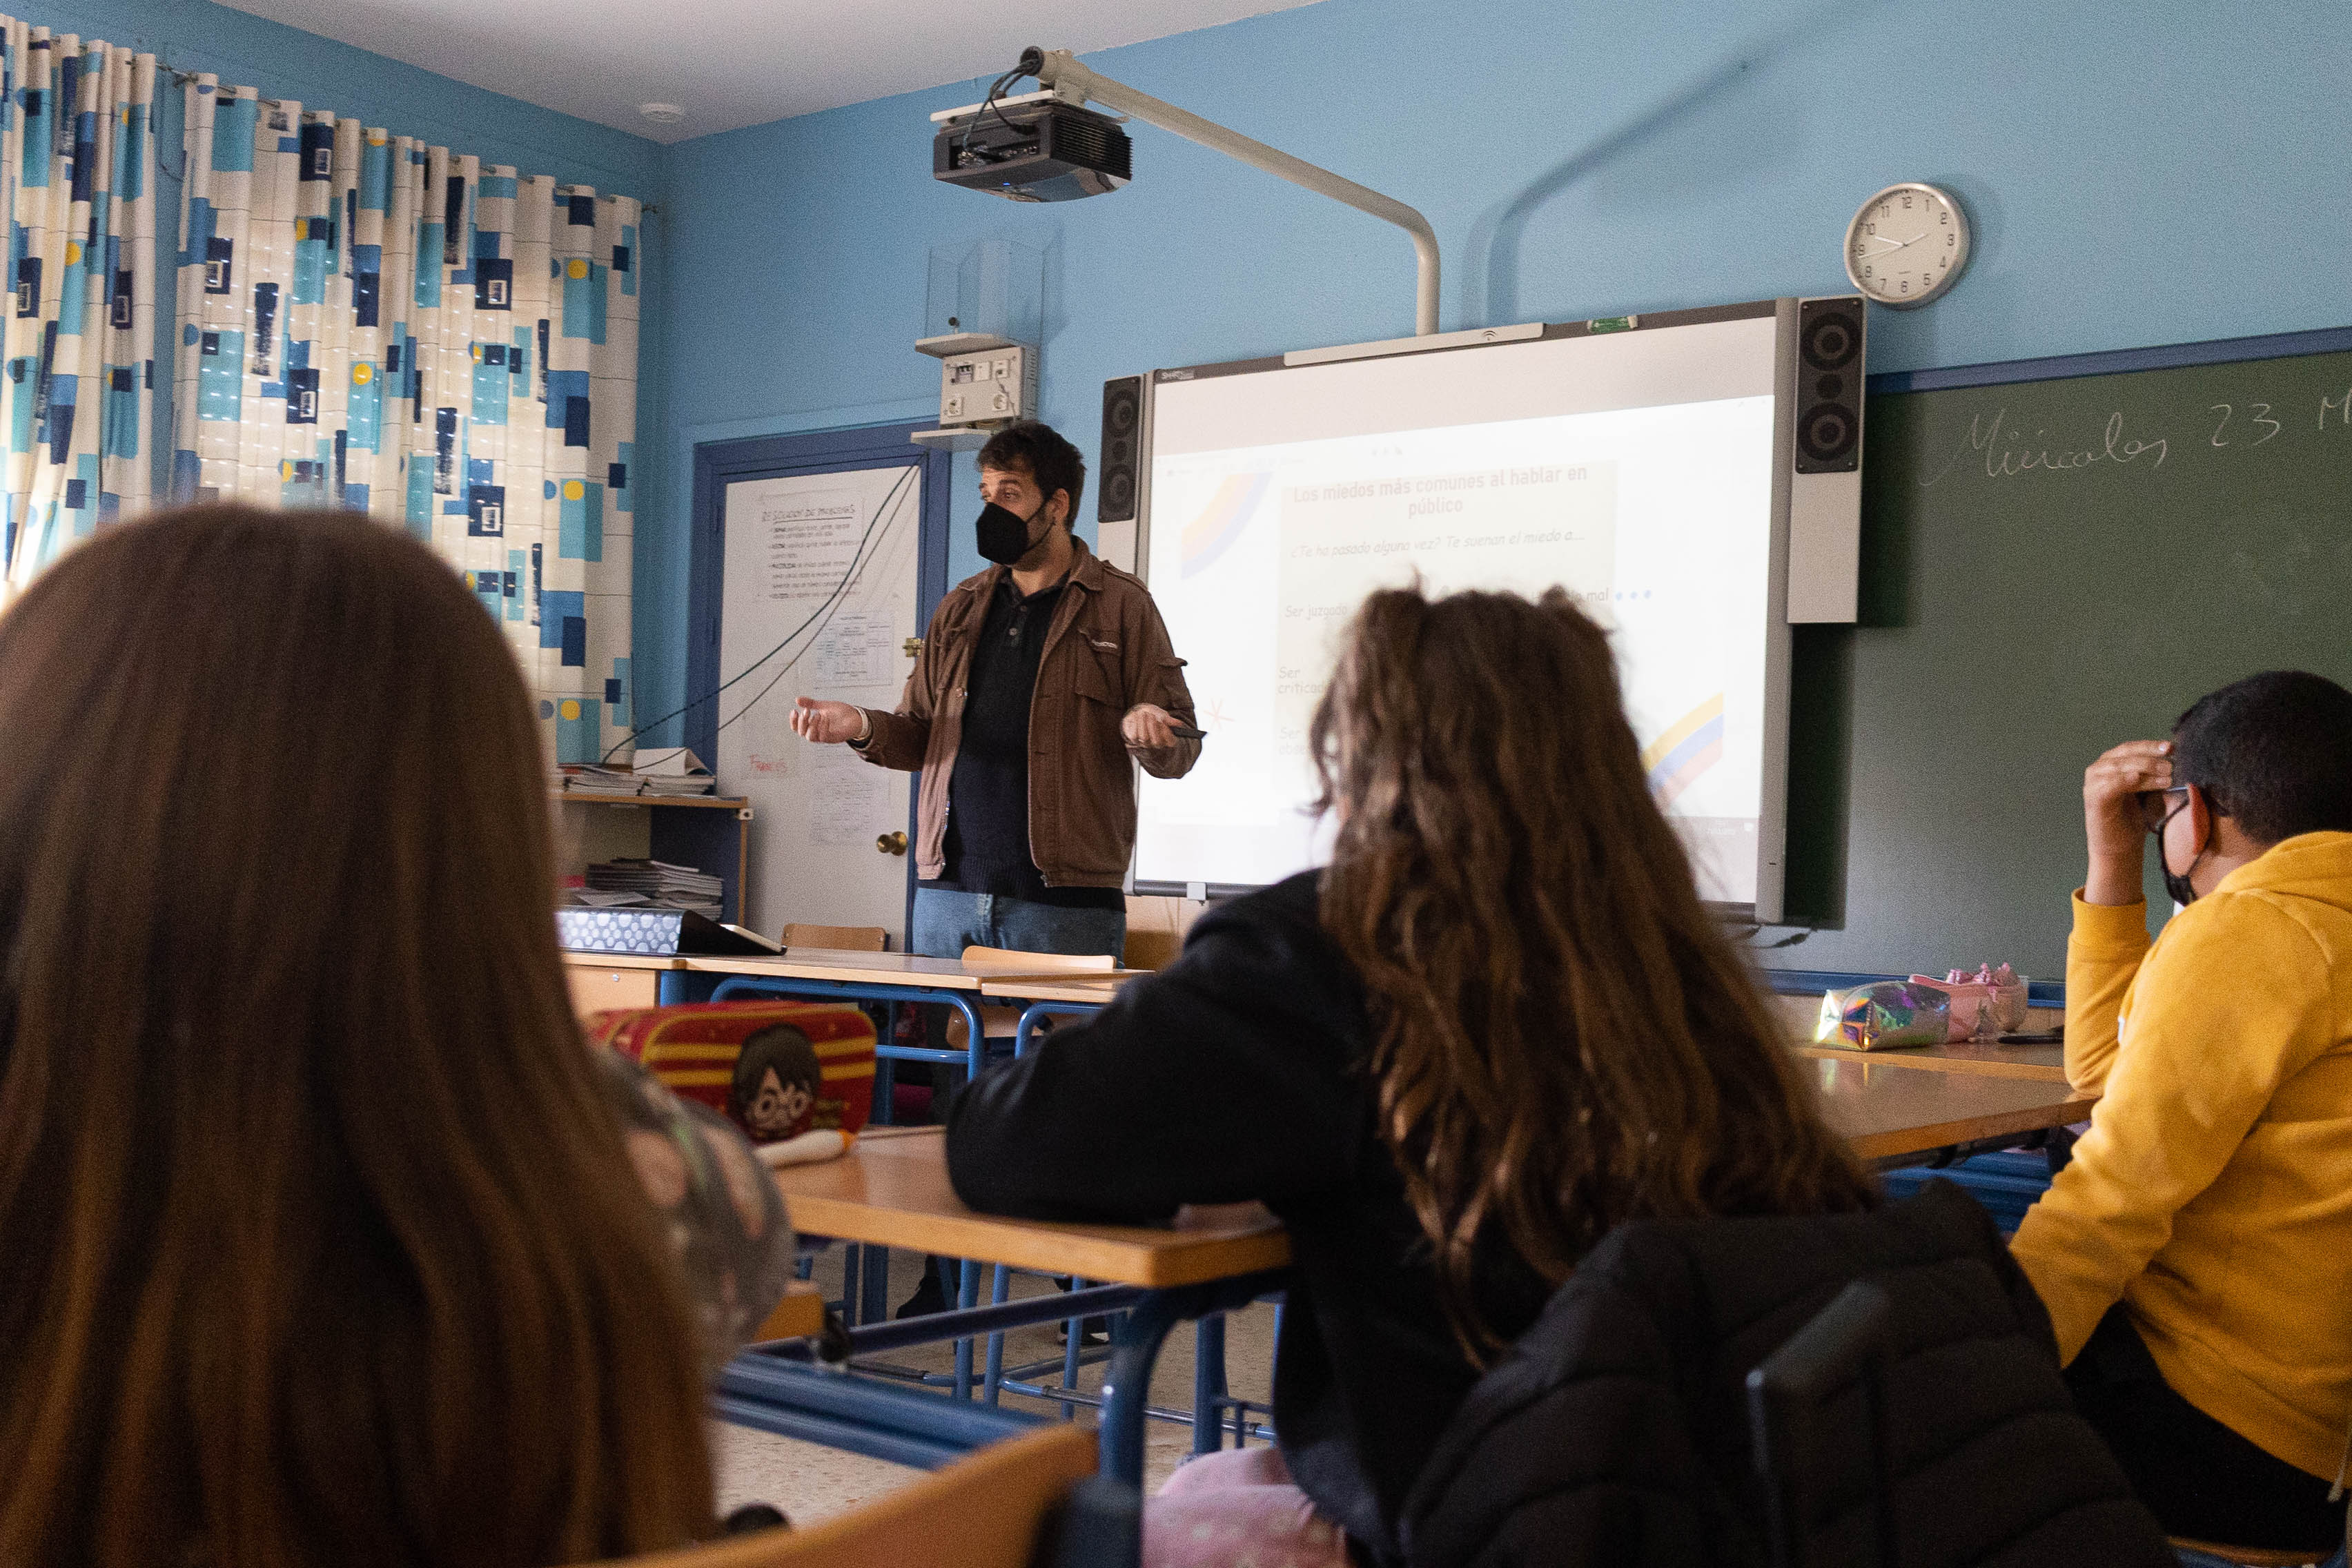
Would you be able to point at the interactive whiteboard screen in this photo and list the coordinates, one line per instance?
(1635, 470)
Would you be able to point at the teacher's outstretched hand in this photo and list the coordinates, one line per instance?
(829, 722)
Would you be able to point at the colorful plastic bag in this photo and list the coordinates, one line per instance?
(1885, 1013)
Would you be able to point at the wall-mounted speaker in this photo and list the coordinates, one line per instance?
(1829, 386)
(1821, 355)
(1121, 448)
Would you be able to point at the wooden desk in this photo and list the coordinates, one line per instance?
(1096, 989)
(893, 1190)
(849, 968)
(603, 980)
(2043, 1064)
(1885, 1111)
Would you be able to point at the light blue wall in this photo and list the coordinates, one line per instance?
(284, 63)
(2136, 174)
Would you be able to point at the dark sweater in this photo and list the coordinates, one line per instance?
(1236, 1074)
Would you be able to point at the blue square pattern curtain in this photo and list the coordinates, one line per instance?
(369, 322)
(78, 188)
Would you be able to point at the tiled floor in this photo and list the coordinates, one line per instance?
(810, 1483)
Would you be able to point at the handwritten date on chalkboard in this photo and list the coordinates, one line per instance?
(2006, 451)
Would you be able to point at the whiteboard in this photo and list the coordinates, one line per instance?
(825, 565)
(1637, 471)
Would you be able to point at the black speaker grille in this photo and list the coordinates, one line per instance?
(1122, 415)
(1829, 386)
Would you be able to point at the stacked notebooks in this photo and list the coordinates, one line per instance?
(672, 771)
(602, 780)
(649, 884)
(675, 771)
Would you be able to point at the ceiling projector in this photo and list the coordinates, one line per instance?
(1035, 148)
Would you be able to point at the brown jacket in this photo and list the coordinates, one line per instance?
(1105, 651)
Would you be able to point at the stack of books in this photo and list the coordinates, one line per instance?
(674, 770)
(602, 780)
(650, 884)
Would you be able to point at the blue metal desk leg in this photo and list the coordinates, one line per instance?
(1135, 1345)
(1026, 1030)
(967, 1297)
(992, 1381)
(1209, 1384)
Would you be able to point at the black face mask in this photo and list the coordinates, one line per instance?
(2176, 883)
(1003, 536)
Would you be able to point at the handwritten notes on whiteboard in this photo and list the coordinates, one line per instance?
(811, 541)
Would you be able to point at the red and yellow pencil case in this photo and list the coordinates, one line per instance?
(779, 1070)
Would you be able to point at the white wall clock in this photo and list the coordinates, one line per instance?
(1907, 245)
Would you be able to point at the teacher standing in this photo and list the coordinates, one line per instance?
(1038, 680)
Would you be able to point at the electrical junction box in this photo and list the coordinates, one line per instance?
(993, 386)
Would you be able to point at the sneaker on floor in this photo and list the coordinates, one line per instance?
(927, 1300)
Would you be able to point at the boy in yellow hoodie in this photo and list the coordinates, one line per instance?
(2196, 1255)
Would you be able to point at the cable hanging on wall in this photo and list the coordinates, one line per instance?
(816, 618)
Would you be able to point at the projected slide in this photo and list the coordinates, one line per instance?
(1658, 518)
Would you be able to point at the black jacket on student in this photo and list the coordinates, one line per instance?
(1236, 1074)
(1616, 1431)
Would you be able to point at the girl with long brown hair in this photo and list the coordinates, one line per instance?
(1499, 1023)
(322, 1238)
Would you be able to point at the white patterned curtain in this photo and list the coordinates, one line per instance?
(369, 322)
(77, 190)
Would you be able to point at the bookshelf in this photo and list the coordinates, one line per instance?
(712, 833)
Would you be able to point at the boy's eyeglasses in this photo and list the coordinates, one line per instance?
(2158, 807)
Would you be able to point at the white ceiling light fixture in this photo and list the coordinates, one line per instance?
(662, 113)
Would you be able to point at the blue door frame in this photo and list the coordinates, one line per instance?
(717, 465)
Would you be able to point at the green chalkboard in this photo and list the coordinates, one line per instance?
(2049, 566)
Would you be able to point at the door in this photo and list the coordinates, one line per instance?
(819, 594)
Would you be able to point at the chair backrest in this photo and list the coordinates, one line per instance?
(844, 938)
(1012, 961)
(1799, 1400)
(2249, 1556)
(990, 1510)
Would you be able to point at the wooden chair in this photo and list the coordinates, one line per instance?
(1000, 1508)
(844, 939)
(999, 1023)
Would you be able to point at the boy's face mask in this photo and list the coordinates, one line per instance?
(2176, 883)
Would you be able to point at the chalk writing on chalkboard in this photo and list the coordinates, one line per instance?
(2005, 449)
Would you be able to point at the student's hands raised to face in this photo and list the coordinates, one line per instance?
(2112, 823)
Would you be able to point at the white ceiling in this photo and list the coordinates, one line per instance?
(731, 62)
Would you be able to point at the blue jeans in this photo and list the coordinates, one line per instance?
(948, 922)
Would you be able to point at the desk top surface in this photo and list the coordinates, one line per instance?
(1883, 1110)
(1986, 1059)
(581, 958)
(849, 965)
(893, 1188)
(1078, 987)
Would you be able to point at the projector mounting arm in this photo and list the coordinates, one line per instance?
(1061, 72)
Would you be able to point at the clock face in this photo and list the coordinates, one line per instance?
(1907, 245)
